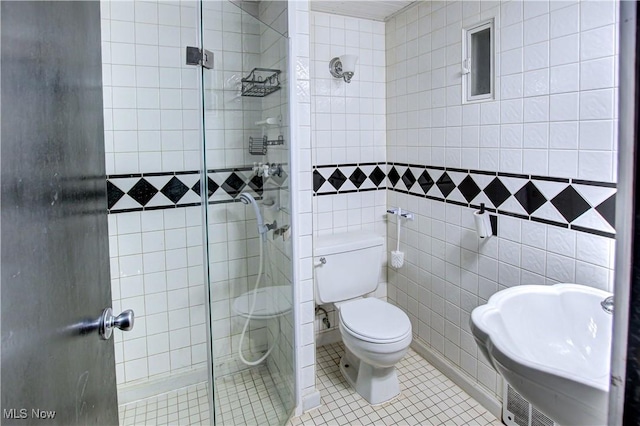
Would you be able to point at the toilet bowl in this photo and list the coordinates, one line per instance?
(376, 334)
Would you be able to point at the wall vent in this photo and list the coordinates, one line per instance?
(517, 411)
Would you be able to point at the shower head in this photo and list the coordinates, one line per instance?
(248, 199)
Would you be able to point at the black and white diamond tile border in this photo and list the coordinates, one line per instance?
(348, 178)
(581, 205)
(153, 191)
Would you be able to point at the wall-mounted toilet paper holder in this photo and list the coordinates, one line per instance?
(486, 226)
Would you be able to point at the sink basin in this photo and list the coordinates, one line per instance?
(552, 344)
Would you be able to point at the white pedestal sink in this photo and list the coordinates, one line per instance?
(553, 345)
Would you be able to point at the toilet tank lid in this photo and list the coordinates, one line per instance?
(344, 242)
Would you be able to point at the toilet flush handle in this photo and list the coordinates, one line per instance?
(320, 262)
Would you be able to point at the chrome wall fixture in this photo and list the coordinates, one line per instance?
(343, 67)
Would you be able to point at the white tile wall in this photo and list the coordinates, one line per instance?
(157, 270)
(150, 96)
(348, 126)
(237, 41)
(554, 114)
(299, 19)
(152, 125)
(348, 120)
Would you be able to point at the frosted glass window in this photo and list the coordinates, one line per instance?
(477, 64)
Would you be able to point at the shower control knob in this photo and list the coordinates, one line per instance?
(275, 169)
(108, 322)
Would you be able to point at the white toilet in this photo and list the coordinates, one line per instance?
(376, 334)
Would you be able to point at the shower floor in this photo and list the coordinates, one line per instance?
(248, 397)
(185, 406)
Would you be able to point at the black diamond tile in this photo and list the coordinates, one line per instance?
(445, 184)
(142, 192)
(211, 187)
(233, 185)
(497, 192)
(113, 194)
(337, 179)
(357, 177)
(257, 184)
(425, 181)
(607, 210)
(174, 189)
(393, 176)
(408, 178)
(318, 181)
(377, 176)
(570, 204)
(530, 197)
(469, 188)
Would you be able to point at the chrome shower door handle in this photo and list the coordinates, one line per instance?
(108, 322)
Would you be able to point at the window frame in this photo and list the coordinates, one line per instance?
(467, 33)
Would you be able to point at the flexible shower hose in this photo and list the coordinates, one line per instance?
(253, 307)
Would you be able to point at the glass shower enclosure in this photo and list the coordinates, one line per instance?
(198, 172)
(246, 151)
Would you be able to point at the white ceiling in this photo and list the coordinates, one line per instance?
(378, 10)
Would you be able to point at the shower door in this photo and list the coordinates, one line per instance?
(55, 258)
(247, 151)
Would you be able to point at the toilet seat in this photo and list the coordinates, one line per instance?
(374, 320)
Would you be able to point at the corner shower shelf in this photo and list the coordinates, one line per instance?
(261, 82)
(258, 146)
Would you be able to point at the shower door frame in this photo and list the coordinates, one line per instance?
(204, 214)
(627, 279)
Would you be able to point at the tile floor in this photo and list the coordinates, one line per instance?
(427, 397)
(186, 406)
(248, 397)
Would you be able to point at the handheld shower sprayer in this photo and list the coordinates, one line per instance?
(262, 228)
(248, 199)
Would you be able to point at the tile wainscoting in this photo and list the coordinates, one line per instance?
(581, 205)
(152, 191)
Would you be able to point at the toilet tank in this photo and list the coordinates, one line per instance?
(352, 266)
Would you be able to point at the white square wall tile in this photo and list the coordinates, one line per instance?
(596, 14)
(597, 74)
(565, 21)
(596, 104)
(595, 165)
(563, 163)
(563, 135)
(564, 107)
(536, 82)
(564, 78)
(536, 56)
(564, 50)
(536, 30)
(598, 42)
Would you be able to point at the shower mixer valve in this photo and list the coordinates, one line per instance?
(266, 169)
(271, 226)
